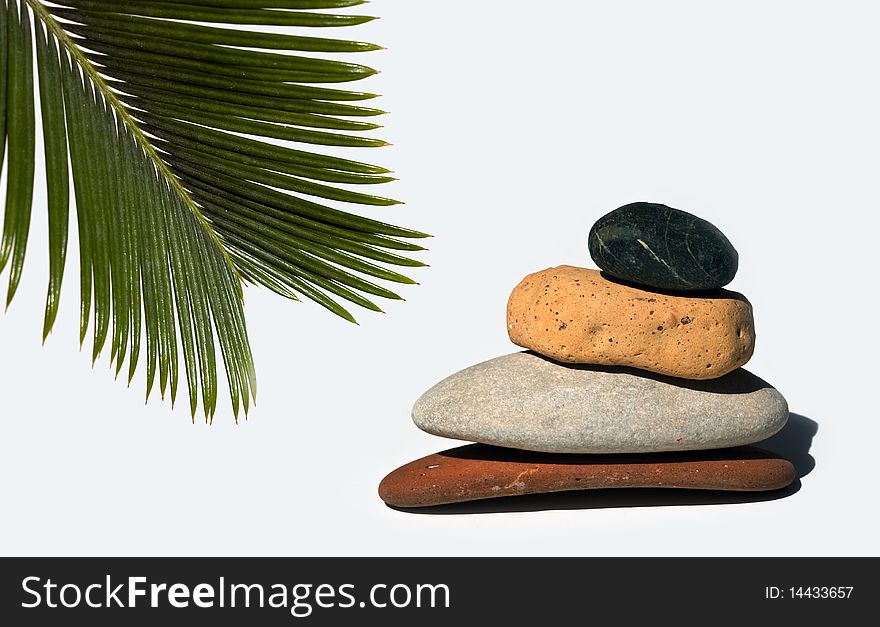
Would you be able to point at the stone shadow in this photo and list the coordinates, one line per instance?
(740, 381)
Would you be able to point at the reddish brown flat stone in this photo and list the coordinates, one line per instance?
(478, 471)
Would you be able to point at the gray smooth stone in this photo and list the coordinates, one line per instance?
(529, 402)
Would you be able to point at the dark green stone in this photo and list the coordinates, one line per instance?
(663, 248)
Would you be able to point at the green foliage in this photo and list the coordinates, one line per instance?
(158, 123)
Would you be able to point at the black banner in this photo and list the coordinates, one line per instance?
(429, 591)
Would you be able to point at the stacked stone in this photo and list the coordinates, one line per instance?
(632, 378)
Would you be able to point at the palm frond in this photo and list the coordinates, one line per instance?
(163, 118)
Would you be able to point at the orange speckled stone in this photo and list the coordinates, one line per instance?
(576, 315)
(478, 471)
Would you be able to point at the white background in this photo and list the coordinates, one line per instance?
(516, 125)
